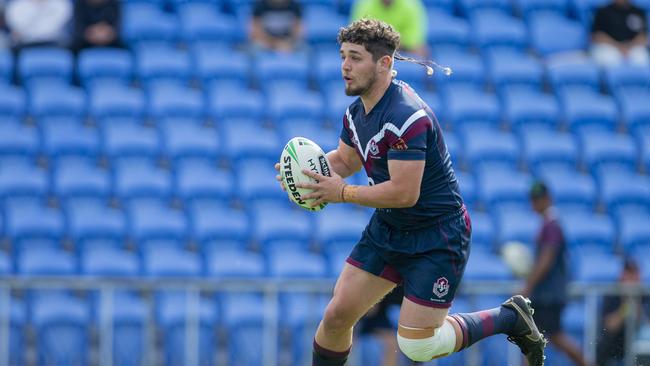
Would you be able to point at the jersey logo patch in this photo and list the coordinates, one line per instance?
(399, 145)
(441, 287)
(374, 149)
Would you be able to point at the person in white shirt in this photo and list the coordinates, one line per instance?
(38, 22)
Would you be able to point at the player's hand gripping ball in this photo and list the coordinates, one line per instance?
(301, 153)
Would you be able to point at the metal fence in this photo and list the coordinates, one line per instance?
(272, 289)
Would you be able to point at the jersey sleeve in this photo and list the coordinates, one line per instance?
(409, 142)
(345, 132)
(551, 235)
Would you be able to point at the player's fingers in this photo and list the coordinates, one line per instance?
(307, 185)
(277, 166)
(314, 175)
(278, 178)
(317, 202)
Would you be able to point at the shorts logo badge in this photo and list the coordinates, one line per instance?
(441, 287)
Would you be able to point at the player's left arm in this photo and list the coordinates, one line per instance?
(544, 262)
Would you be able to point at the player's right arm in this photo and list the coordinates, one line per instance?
(344, 160)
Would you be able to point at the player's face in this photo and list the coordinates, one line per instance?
(358, 68)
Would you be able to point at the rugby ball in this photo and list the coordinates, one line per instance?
(298, 154)
(518, 257)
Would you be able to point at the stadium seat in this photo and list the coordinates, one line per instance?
(52, 100)
(235, 263)
(601, 148)
(552, 33)
(527, 8)
(543, 147)
(526, 109)
(585, 228)
(129, 331)
(633, 231)
(169, 101)
(517, 223)
(215, 220)
(495, 29)
(290, 103)
(469, 7)
(19, 139)
(109, 262)
(412, 74)
(484, 266)
(635, 112)
(327, 137)
(296, 264)
(444, 29)
(300, 314)
(568, 186)
(337, 103)
(513, 69)
(322, 24)
(80, 177)
(454, 147)
(6, 65)
(271, 67)
(94, 219)
(13, 102)
(623, 76)
(242, 316)
(584, 109)
(199, 178)
(203, 22)
(585, 10)
(340, 223)
(68, 136)
(470, 105)
(104, 65)
(21, 178)
(499, 185)
(623, 187)
(468, 188)
(582, 73)
(24, 220)
(256, 180)
(488, 145)
(231, 101)
(147, 22)
(483, 231)
(45, 261)
(240, 144)
(150, 219)
(126, 137)
(5, 264)
(116, 101)
(17, 316)
(141, 178)
(597, 267)
(187, 137)
(278, 221)
(61, 328)
(327, 68)
(171, 262)
(467, 69)
(212, 63)
(162, 63)
(50, 63)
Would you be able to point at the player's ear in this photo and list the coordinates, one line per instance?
(386, 63)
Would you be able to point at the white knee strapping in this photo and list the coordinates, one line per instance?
(440, 344)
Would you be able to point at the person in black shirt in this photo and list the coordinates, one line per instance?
(277, 24)
(619, 34)
(96, 23)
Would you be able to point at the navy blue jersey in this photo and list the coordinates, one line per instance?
(402, 127)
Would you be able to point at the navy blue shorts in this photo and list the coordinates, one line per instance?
(428, 262)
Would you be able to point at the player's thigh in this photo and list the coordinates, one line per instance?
(356, 291)
(414, 315)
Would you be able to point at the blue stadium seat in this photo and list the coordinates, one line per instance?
(171, 262)
(20, 178)
(89, 219)
(271, 67)
(337, 103)
(468, 187)
(468, 7)
(44, 261)
(104, 65)
(495, 29)
(551, 33)
(5, 264)
(568, 186)
(109, 262)
(524, 109)
(470, 105)
(340, 223)
(153, 219)
(211, 63)
(146, 22)
(599, 148)
(187, 137)
(116, 101)
(126, 137)
(488, 145)
(45, 63)
(586, 109)
(413, 74)
(517, 223)
(240, 143)
(597, 267)
(141, 178)
(168, 101)
(201, 22)
(467, 69)
(623, 76)
(300, 314)
(484, 266)
(162, 63)
(199, 178)
(586, 228)
(54, 100)
(62, 332)
(454, 148)
(13, 102)
(337, 253)
(296, 264)
(242, 317)
(289, 103)
(499, 185)
(278, 221)
(547, 146)
(80, 177)
(17, 340)
(510, 69)
(643, 140)
(585, 10)
(33, 220)
(321, 24)
(623, 187)
(327, 137)
(6, 65)
(327, 68)
(235, 263)
(68, 136)
(129, 331)
(215, 220)
(232, 101)
(250, 185)
(633, 231)
(635, 112)
(444, 29)
(529, 7)
(483, 231)
(582, 73)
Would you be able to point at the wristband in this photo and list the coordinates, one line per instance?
(342, 198)
(350, 193)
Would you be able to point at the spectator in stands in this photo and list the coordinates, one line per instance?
(277, 25)
(38, 22)
(96, 24)
(619, 33)
(408, 17)
(547, 282)
(611, 344)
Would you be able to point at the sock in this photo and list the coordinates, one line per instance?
(325, 357)
(476, 326)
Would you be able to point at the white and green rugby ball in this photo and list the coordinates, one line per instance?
(301, 153)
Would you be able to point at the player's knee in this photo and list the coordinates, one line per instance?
(337, 318)
(425, 344)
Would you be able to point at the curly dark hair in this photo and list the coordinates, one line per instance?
(378, 37)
